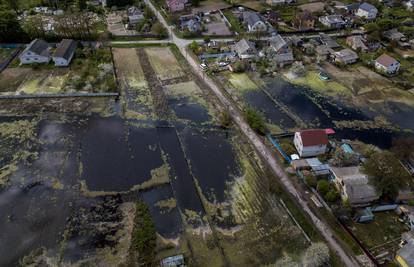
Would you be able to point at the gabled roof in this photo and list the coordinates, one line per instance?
(251, 18)
(385, 60)
(244, 45)
(277, 42)
(38, 47)
(367, 7)
(313, 137)
(65, 49)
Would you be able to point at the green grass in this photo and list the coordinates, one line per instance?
(235, 24)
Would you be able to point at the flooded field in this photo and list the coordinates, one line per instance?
(288, 107)
(69, 180)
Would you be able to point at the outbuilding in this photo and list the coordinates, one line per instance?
(387, 64)
(64, 52)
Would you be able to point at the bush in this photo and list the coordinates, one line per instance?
(332, 195)
(311, 181)
(144, 234)
(255, 119)
(322, 187)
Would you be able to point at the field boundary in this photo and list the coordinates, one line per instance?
(35, 96)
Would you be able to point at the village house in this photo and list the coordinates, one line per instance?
(353, 186)
(279, 51)
(387, 64)
(357, 42)
(38, 51)
(64, 52)
(176, 5)
(323, 52)
(245, 49)
(332, 21)
(328, 41)
(253, 22)
(310, 143)
(304, 20)
(367, 11)
(399, 38)
(134, 15)
(345, 56)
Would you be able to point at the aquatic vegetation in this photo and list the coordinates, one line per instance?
(168, 204)
(159, 176)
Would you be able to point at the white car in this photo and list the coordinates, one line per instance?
(223, 64)
(203, 66)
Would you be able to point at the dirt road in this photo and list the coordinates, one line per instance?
(264, 151)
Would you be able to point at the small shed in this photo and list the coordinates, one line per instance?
(173, 261)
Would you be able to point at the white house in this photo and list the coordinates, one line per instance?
(38, 51)
(367, 11)
(64, 52)
(387, 64)
(253, 22)
(311, 143)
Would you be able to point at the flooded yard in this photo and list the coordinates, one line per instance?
(69, 179)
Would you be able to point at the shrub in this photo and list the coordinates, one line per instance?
(332, 195)
(255, 119)
(311, 181)
(144, 234)
(322, 187)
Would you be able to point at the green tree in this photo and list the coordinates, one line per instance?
(322, 187)
(144, 235)
(158, 29)
(255, 119)
(10, 29)
(81, 4)
(317, 255)
(386, 174)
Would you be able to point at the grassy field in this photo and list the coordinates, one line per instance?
(128, 66)
(164, 63)
(242, 82)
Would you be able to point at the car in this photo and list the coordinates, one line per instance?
(203, 66)
(223, 64)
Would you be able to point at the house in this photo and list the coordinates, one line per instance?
(345, 56)
(387, 64)
(64, 52)
(38, 51)
(253, 22)
(394, 35)
(278, 43)
(354, 186)
(352, 8)
(357, 42)
(311, 143)
(332, 21)
(279, 2)
(405, 255)
(323, 52)
(367, 11)
(193, 25)
(312, 164)
(328, 41)
(245, 49)
(134, 15)
(176, 5)
(279, 51)
(304, 20)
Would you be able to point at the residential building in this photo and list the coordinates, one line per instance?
(354, 186)
(345, 56)
(357, 42)
(332, 21)
(328, 41)
(176, 5)
(245, 49)
(367, 11)
(134, 15)
(278, 43)
(323, 52)
(310, 143)
(304, 20)
(254, 22)
(64, 52)
(193, 25)
(38, 51)
(399, 38)
(405, 255)
(279, 51)
(387, 64)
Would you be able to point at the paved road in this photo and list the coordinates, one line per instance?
(265, 152)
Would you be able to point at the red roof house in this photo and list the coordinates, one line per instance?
(310, 143)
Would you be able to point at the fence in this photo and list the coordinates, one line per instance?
(69, 95)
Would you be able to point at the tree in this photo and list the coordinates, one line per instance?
(332, 195)
(255, 119)
(322, 187)
(403, 148)
(81, 4)
(195, 2)
(158, 29)
(386, 174)
(344, 159)
(10, 29)
(317, 255)
(225, 119)
(194, 47)
(311, 180)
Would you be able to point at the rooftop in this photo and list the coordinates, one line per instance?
(314, 137)
(385, 60)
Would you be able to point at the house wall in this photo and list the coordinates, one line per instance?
(61, 62)
(365, 14)
(30, 58)
(307, 151)
(391, 69)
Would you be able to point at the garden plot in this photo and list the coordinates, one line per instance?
(5, 53)
(131, 77)
(44, 82)
(164, 63)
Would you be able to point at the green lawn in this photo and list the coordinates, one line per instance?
(235, 24)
